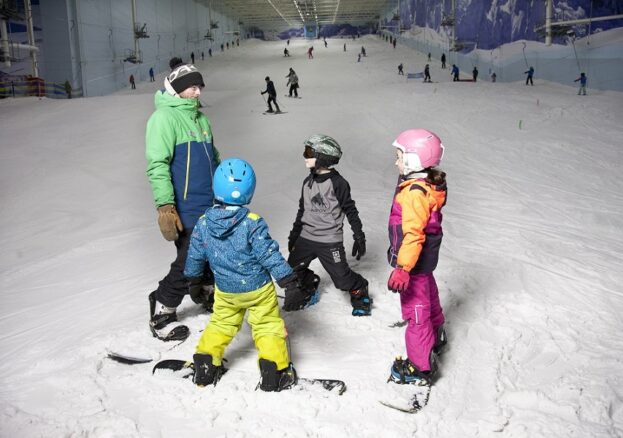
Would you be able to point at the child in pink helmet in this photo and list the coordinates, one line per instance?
(415, 237)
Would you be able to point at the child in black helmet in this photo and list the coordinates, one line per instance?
(317, 230)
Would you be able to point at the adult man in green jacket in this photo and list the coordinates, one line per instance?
(181, 160)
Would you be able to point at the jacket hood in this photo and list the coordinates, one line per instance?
(163, 99)
(222, 221)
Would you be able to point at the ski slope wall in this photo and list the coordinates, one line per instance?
(600, 56)
(500, 37)
(87, 41)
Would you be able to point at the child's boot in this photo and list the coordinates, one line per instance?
(309, 283)
(276, 380)
(440, 341)
(205, 372)
(314, 293)
(361, 301)
(404, 372)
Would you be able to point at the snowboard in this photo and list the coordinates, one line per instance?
(410, 398)
(186, 369)
(120, 354)
(127, 358)
(274, 113)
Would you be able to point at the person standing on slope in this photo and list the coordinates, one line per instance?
(272, 95)
(181, 159)
(237, 245)
(317, 231)
(293, 82)
(415, 237)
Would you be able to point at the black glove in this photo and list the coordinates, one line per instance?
(296, 298)
(292, 240)
(359, 246)
(200, 293)
(195, 289)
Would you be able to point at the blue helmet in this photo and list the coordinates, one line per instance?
(234, 182)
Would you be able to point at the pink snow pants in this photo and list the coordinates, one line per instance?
(420, 306)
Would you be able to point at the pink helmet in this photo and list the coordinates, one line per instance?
(421, 149)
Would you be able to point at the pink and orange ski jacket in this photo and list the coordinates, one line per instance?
(415, 225)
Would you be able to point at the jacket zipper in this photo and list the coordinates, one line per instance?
(187, 171)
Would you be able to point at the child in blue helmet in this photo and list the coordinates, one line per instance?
(236, 244)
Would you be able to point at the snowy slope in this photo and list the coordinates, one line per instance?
(529, 275)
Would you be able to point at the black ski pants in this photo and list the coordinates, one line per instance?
(174, 285)
(332, 257)
(272, 99)
(293, 89)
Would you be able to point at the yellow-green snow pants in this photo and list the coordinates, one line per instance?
(267, 326)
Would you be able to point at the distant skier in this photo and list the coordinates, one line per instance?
(455, 73)
(583, 79)
(530, 73)
(400, 69)
(293, 82)
(363, 51)
(494, 77)
(475, 74)
(415, 238)
(192, 57)
(394, 43)
(272, 95)
(132, 83)
(286, 52)
(210, 53)
(288, 42)
(151, 75)
(310, 53)
(236, 242)
(317, 231)
(325, 44)
(202, 56)
(443, 60)
(428, 56)
(344, 46)
(427, 73)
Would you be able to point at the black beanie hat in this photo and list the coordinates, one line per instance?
(183, 77)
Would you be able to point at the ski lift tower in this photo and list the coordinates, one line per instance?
(449, 21)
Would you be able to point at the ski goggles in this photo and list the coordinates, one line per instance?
(309, 152)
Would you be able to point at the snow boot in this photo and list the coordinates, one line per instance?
(205, 372)
(309, 283)
(159, 314)
(273, 380)
(361, 302)
(404, 372)
(315, 292)
(440, 341)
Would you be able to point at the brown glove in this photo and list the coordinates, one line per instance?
(169, 222)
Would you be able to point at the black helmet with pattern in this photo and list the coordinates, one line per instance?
(324, 148)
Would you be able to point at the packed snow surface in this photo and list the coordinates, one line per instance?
(530, 271)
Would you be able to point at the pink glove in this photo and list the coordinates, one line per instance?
(398, 280)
